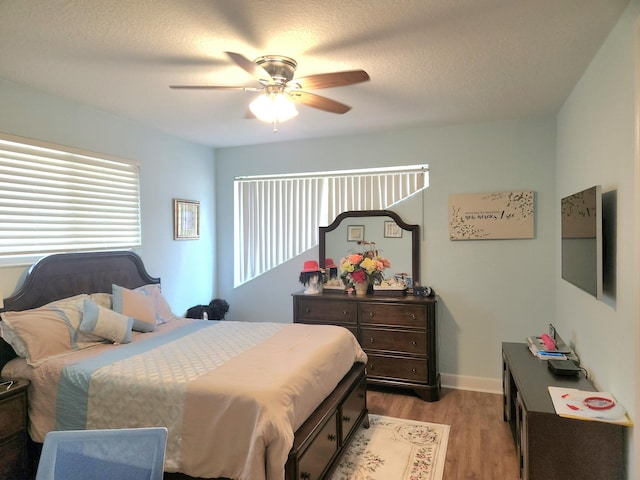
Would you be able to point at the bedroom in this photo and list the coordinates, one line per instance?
(490, 291)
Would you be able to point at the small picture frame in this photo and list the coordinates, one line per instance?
(355, 233)
(186, 219)
(392, 230)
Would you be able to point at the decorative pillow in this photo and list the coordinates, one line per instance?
(50, 330)
(102, 299)
(105, 323)
(162, 309)
(14, 340)
(135, 305)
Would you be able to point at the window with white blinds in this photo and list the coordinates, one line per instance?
(58, 199)
(277, 217)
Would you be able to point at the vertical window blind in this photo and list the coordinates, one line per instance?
(57, 199)
(277, 217)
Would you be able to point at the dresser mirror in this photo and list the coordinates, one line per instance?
(396, 240)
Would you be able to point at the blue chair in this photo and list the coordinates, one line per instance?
(115, 454)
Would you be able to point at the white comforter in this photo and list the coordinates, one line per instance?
(231, 393)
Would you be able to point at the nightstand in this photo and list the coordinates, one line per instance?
(13, 429)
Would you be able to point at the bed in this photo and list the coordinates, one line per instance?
(233, 411)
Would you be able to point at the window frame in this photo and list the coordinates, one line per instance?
(261, 245)
(57, 199)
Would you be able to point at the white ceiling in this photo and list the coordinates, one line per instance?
(430, 61)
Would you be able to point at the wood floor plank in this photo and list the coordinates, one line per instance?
(480, 443)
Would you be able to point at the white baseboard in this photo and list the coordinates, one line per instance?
(476, 384)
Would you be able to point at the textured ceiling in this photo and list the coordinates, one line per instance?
(431, 61)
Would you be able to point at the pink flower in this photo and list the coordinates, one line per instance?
(359, 276)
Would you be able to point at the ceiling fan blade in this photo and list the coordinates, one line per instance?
(328, 80)
(214, 87)
(255, 70)
(321, 103)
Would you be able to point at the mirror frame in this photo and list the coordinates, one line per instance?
(414, 229)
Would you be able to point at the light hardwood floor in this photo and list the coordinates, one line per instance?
(480, 443)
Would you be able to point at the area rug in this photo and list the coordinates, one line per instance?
(395, 449)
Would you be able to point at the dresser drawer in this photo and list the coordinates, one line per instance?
(322, 448)
(397, 368)
(12, 456)
(338, 311)
(12, 415)
(353, 406)
(414, 343)
(393, 314)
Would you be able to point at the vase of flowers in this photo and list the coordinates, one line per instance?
(363, 270)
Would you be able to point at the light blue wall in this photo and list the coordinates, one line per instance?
(491, 291)
(597, 135)
(169, 168)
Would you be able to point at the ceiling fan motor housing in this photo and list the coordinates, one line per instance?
(280, 68)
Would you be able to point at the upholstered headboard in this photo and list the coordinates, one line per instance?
(67, 274)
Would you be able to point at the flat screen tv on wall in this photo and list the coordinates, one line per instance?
(582, 240)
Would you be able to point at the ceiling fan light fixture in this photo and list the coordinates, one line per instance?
(273, 108)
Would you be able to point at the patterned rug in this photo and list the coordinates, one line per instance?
(395, 449)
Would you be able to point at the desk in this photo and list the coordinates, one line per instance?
(549, 446)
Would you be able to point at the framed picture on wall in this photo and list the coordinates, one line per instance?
(186, 219)
(392, 230)
(355, 233)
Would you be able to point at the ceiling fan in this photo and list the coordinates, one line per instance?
(280, 91)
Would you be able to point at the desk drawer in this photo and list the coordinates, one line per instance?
(393, 314)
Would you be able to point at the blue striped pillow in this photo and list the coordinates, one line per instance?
(105, 323)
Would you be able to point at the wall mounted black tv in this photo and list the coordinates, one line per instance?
(582, 240)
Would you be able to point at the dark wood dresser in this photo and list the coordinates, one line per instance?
(398, 333)
(13, 429)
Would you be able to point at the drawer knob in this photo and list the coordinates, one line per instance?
(345, 313)
(371, 340)
(305, 475)
(414, 343)
(331, 437)
(413, 316)
(346, 418)
(307, 310)
(370, 314)
(413, 370)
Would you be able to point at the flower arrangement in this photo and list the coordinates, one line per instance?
(366, 267)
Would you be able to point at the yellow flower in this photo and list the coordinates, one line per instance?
(346, 266)
(369, 265)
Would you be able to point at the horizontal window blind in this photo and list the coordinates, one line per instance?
(278, 217)
(54, 199)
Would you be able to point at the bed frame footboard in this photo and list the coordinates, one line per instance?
(323, 438)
